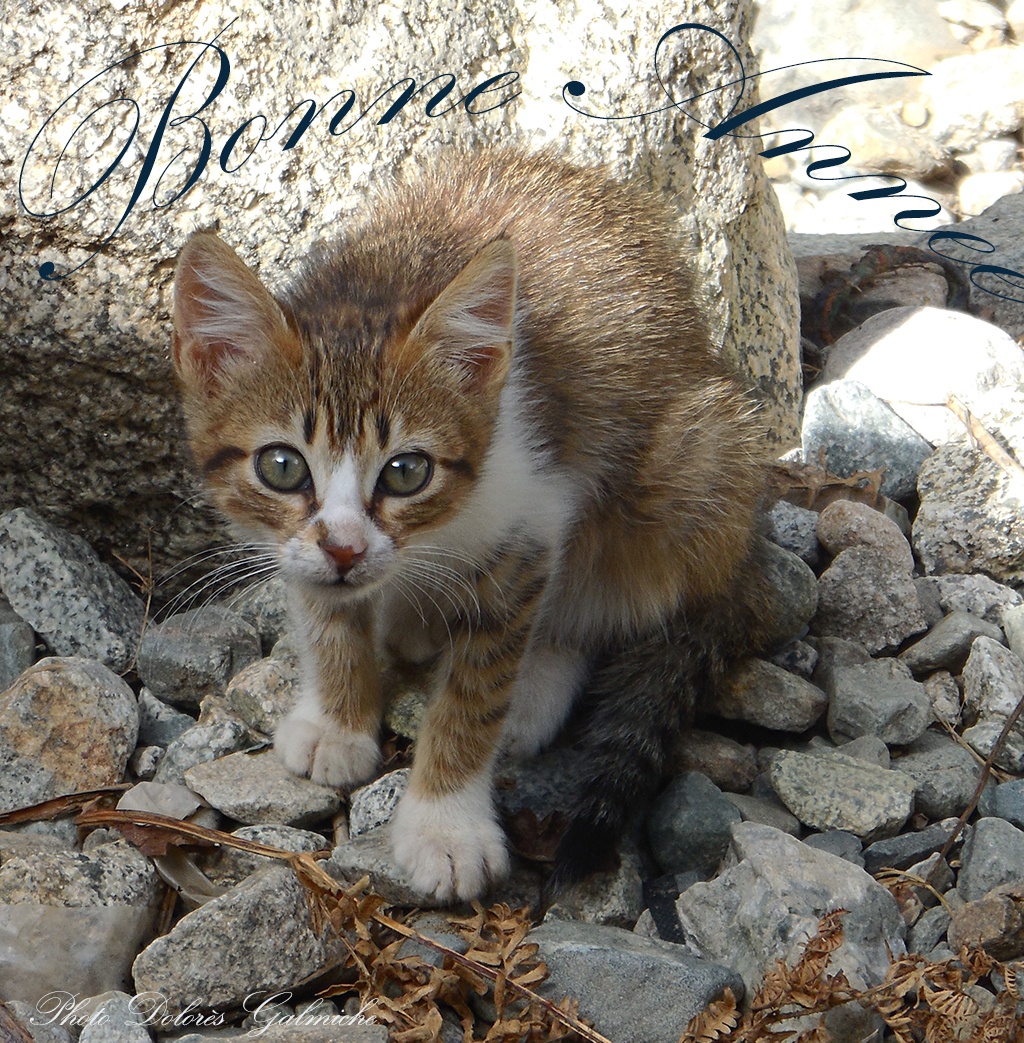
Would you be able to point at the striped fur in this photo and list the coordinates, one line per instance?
(525, 334)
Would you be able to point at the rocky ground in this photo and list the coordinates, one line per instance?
(831, 776)
(953, 135)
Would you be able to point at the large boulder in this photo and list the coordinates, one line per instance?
(93, 432)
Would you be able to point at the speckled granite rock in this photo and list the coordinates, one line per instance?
(256, 788)
(636, 990)
(993, 683)
(970, 518)
(72, 921)
(195, 653)
(866, 596)
(835, 792)
(218, 954)
(58, 585)
(65, 725)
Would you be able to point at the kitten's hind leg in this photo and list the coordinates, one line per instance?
(331, 733)
(550, 677)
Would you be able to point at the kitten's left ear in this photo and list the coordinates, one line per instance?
(469, 326)
(225, 321)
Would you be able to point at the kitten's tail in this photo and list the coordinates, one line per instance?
(641, 695)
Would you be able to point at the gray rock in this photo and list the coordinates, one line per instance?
(160, 724)
(948, 644)
(1013, 627)
(264, 606)
(835, 842)
(218, 954)
(761, 693)
(58, 585)
(546, 783)
(144, 761)
(795, 529)
(42, 1028)
(635, 990)
(256, 788)
(880, 699)
(196, 653)
(946, 774)
(928, 931)
(993, 923)
(993, 683)
(689, 826)
(200, 744)
(27, 845)
(1005, 801)
(114, 1020)
(614, 898)
(17, 645)
(405, 711)
(868, 748)
(921, 355)
(844, 524)
(730, 765)
(263, 692)
(798, 657)
(374, 804)
(992, 855)
(928, 599)
(794, 592)
(835, 792)
(370, 855)
(59, 706)
(979, 595)
(864, 596)
(944, 694)
(764, 907)
(993, 74)
(834, 652)
(969, 519)
(905, 850)
(438, 928)
(72, 922)
(859, 432)
(1001, 225)
(765, 812)
(230, 865)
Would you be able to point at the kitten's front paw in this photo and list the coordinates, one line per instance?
(312, 744)
(450, 846)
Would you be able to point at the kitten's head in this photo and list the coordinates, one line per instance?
(341, 433)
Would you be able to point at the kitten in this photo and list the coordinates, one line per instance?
(486, 425)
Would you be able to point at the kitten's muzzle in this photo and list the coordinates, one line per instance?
(344, 558)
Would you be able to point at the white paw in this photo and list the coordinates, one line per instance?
(452, 846)
(549, 680)
(311, 743)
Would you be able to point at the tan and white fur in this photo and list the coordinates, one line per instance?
(525, 336)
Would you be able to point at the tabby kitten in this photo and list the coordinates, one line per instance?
(486, 425)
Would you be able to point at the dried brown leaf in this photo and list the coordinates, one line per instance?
(56, 807)
(720, 1017)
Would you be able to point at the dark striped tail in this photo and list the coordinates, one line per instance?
(640, 697)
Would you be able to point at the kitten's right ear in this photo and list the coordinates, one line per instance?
(224, 319)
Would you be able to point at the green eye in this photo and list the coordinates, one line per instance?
(282, 468)
(405, 474)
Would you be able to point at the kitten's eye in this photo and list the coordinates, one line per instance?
(405, 474)
(282, 469)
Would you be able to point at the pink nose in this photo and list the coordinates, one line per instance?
(343, 557)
